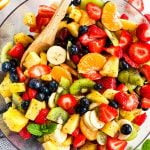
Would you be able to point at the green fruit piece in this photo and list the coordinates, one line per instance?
(130, 87)
(80, 84)
(136, 80)
(58, 94)
(4, 56)
(146, 145)
(65, 92)
(99, 3)
(64, 83)
(58, 115)
(101, 138)
(48, 128)
(123, 76)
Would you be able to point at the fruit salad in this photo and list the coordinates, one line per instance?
(88, 91)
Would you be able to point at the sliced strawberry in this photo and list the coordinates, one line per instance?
(38, 70)
(35, 29)
(22, 77)
(125, 39)
(25, 134)
(130, 61)
(101, 147)
(85, 39)
(122, 88)
(145, 103)
(107, 113)
(139, 120)
(76, 132)
(126, 101)
(79, 140)
(94, 11)
(25, 96)
(143, 32)
(124, 16)
(145, 91)
(17, 51)
(115, 144)
(96, 32)
(31, 93)
(138, 4)
(145, 69)
(147, 17)
(92, 75)
(115, 51)
(96, 46)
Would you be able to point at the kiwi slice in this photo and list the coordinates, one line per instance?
(64, 83)
(134, 132)
(123, 76)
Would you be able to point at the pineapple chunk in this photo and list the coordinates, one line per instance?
(111, 128)
(95, 96)
(17, 87)
(111, 68)
(71, 124)
(23, 38)
(75, 14)
(73, 28)
(29, 19)
(14, 119)
(49, 145)
(89, 146)
(43, 57)
(31, 59)
(34, 109)
(68, 141)
(62, 24)
(110, 93)
(4, 87)
(46, 77)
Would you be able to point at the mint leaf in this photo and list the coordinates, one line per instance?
(49, 128)
(34, 129)
(146, 145)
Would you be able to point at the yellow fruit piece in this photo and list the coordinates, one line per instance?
(111, 128)
(75, 14)
(29, 19)
(58, 72)
(111, 68)
(91, 62)
(4, 87)
(73, 28)
(95, 96)
(14, 119)
(128, 25)
(31, 60)
(46, 77)
(49, 145)
(109, 17)
(62, 24)
(43, 57)
(26, 73)
(109, 94)
(71, 124)
(23, 38)
(34, 109)
(3, 3)
(68, 141)
(89, 146)
(17, 87)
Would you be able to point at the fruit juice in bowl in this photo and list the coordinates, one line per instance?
(90, 89)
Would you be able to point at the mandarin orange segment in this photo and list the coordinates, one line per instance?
(109, 17)
(58, 72)
(91, 62)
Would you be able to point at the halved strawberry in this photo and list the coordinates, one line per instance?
(122, 88)
(96, 32)
(115, 51)
(38, 70)
(25, 96)
(92, 75)
(139, 52)
(101, 147)
(107, 113)
(139, 120)
(85, 39)
(138, 4)
(147, 17)
(145, 103)
(145, 91)
(31, 93)
(124, 16)
(25, 134)
(143, 32)
(115, 144)
(96, 46)
(126, 101)
(94, 11)
(125, 39)
(21, 76)
(79, 140)
(145, 70)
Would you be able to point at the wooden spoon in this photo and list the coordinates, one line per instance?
(47, 36)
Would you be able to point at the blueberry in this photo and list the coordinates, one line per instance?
(45, 90)
(98, 86)
(81, 110)
(6, 66)
(25, 105)
(47, 98)
(73, 50)
(14, 77)
(126, 129)
(76, 2)
(53, 85)
(108, 42)
(40, 96)
(71, 38)
(12, 70)
(84, 102)
(114, 104)
(144, 109)
(83, 29)
(123, 64)
(13, 63)
(85, 50)
(66, 18)
(35, 84)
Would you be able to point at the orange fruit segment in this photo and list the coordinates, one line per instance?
(109, 17)
(58, 72)
(91, 62)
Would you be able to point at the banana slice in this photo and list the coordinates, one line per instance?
(51, 100)
(95, 121)
(63, 147)
(56, 55)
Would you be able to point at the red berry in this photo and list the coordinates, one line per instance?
(79, 140)
(25, 134)
(31, 93)
(76, 132)
(85, 39)
(139, 120)
(75, 59)
(122, 88)
(147, 17)
(145, 91)
(124, 16)
(145, 69)
(22, 77)
(145, 103)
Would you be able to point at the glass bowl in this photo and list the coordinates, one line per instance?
(13, 23)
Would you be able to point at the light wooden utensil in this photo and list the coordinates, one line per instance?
(47, 36)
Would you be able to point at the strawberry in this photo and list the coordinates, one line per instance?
(145, 70)
(40, 21)
(138, 4)
(31, 93)
(25, 96)
(115, 51)
(25, 134)
(143, 32)
(107, 113)
(79, 140)
(147, 17)
(126, 101)
(17, 51)
(35, 29)
(96, 46)
(115, 144)
(122, 88)
(85, 39)
(96, 32)
(94, 11)
(124, 16)
(92, 75)
(76, 132)
(145, 91)
(101, 147)
(38, 70)
(139, 120)
(145, 103)
(125, 39)
(75, 58)
(21, 76)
